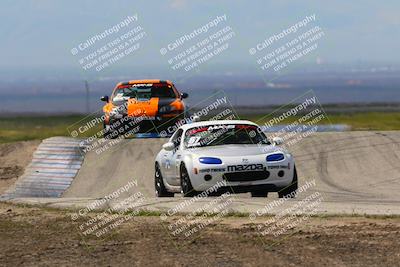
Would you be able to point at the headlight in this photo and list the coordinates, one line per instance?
(275, 157)
(167, 109)
(164, 109)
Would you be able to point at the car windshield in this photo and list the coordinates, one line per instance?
(214, 135)
(143, 91)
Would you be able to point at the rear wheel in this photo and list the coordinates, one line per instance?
(161, 191)
(291, 190)
(186, 185)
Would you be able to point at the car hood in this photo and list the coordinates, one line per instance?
(134, 101)
(149, 107)
(236, 150)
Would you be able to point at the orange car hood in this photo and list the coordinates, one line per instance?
(143, 108)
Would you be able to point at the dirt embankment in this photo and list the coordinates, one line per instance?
(37, 236)
(14, 157)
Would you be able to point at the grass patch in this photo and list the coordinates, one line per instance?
(20, 128)
(67, 211)
(379, 121)
(14, 129)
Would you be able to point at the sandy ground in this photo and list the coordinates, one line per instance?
(32, 236)
(14, 157)
(46, 237)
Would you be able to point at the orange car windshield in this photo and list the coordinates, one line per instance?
(145, 91)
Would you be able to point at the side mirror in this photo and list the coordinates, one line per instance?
(104, 98)
(184, 95)
(277, 141)
(168, 146)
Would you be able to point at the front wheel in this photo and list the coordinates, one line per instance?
(186, 185)
(161, 191)
(291, 190)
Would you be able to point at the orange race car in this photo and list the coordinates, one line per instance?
(140, 106)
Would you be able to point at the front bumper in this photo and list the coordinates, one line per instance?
(140, 124)
(278, 176)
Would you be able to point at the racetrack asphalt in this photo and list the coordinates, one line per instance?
(354, 172)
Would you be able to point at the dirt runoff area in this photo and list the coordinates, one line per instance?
(34, 236)
(14, 157)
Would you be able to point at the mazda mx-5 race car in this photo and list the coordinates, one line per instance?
(140, 106)
(235, 154)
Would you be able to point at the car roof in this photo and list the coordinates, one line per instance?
(216, 122)
(144, 81)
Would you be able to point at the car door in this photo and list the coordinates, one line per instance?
(170, 157)
(175, 159)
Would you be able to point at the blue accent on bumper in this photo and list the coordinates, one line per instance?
(275, 157)
(209, 160)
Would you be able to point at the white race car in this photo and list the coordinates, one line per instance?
(232, 153)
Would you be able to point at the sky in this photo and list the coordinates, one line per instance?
(38, 38)
(42, 33)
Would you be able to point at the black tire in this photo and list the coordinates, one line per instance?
(259, 193)
(160, 189)
(186, 185)
(289, 191)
